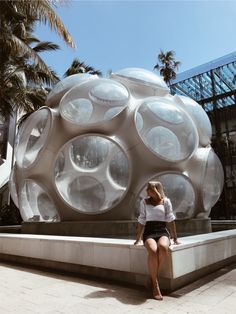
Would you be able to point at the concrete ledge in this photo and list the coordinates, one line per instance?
(220, 225)
(122, 229)
(10, 229)
(117, 229)
(119, 259)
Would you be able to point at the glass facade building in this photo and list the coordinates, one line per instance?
(213, 86)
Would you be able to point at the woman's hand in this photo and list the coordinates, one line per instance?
(138, 242)
(138, 236)
(176, 241)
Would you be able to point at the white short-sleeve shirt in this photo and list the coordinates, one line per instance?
(149, 212)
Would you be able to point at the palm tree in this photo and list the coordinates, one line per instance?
(24, 76)
(38, 10)
(80, 67)
(23, 83)
(167, 65)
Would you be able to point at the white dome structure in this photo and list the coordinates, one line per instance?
(89, 154)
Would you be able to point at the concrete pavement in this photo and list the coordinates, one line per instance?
(29, 291)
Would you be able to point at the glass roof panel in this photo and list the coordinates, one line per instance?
(214, 81)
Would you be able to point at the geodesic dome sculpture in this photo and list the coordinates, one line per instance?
(91, 152)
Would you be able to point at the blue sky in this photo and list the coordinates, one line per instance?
(112, 35)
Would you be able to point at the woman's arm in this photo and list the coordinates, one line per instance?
(140, 229)
(172, 227)
(170, 220)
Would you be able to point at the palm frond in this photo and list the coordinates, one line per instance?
(45, 46)
(38, 77)
(80, 67)
(44, 12)
(25, 78)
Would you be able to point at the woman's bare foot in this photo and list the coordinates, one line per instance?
(157, 292)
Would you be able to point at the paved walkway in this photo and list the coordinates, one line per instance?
(28, 291)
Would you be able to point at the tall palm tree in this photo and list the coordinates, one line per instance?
(167, 65)
(24, 76)
(38, 10)
(23, 82)
(80, 67)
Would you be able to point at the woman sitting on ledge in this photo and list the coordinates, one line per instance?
(155, 212)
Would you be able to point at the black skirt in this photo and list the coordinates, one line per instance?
(155, 230)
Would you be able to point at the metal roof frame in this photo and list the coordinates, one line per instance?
(213, 82)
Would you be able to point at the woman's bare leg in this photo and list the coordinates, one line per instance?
(152, 249)
(162, 247)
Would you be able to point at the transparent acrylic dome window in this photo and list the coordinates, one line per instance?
(201, 118)
(60, 165)
(36, 204)
(32, 137)
(12, 187)
(139, 121)
(91, 173)
(90, 151)
(94, 102)
(88, 193)
(165, 111)
(213, 181)
(69, 82)
(110, 92)
(179, 190)
(77, 111)
(111, 113)
(164, 142)
(166, 130)
(119, 169)
(142, 76)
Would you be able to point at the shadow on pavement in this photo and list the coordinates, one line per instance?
(202, 281)
(126, 296)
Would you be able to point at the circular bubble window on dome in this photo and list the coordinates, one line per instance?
(166, 130)
(90, 151)
(119, 169)
(36, 204)
(32, 137)
(164, 142)
(200, 117)
(142, 76)
(165, 111)
(111, 113)
(87, 193)
(60, 165)
(66, 84)
(179, 190)
(12, 187)
(79, 111)
(213, 180)
(94, 102)
(91, 174)
(70, 82)
(109, 92)
(139, 121)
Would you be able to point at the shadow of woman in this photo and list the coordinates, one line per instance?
(123, 295)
